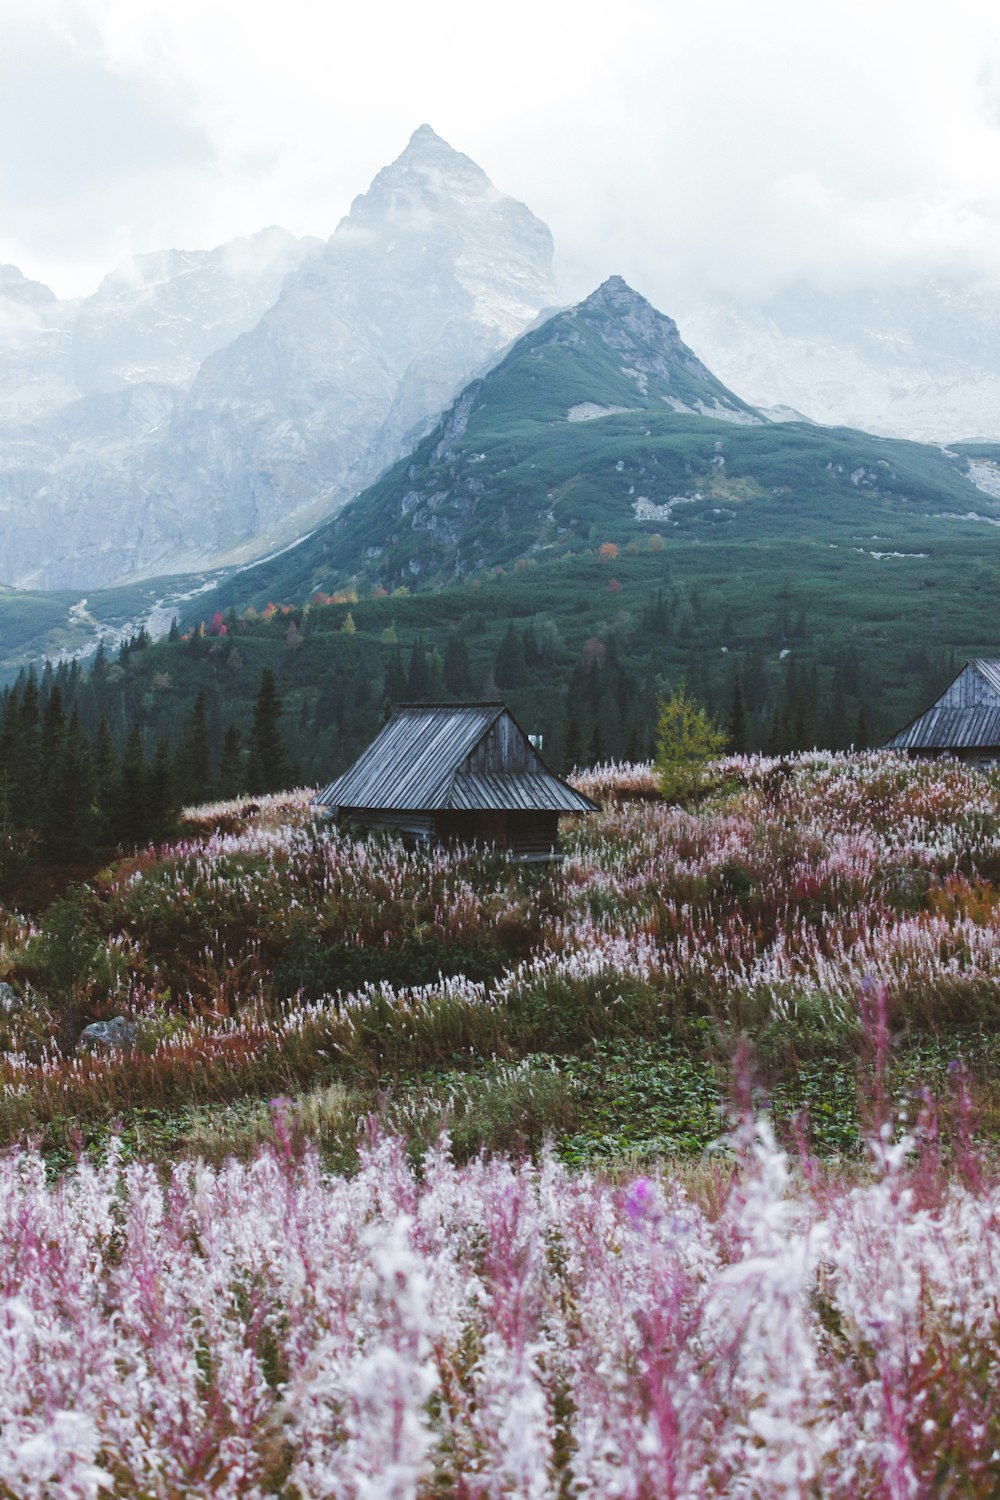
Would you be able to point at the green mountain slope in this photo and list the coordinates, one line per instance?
(602, 426)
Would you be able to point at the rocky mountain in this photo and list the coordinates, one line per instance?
(598, 463)
(431, 273)
(917, 360)
(205, 405)
(86, 385)
(601, 426)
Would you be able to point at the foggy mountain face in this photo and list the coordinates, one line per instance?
(211, 406)
(432, 272)
(917, 361)
(201, 401)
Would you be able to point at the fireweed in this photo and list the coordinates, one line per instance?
(500, 1328)
(771, 904)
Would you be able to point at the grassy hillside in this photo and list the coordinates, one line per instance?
(665, 936)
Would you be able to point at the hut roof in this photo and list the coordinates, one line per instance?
(418, 762)
(965, 717)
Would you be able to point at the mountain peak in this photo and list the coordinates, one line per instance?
(427, 157)
(426, 135)
(616, 286)
(616, 294)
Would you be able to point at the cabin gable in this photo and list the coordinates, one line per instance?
(972, 688)
(503, 748)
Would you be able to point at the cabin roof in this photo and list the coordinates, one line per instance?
(974, 727)
(416, 763)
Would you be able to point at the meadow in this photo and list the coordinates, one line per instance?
(669, 1170)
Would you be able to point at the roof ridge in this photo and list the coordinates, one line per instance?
(430, 703)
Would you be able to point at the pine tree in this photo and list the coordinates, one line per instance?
(836, 729)
(194, 760)
(736, 725)
(509, 668)
(72, 828)
(418, 678)
(231, 776)
(573, 747)
(160, 805)
(25, 767)
(686, 740)
(395, 677)
(457, 669)
(129, 816)
(266, 767)
(105, 767)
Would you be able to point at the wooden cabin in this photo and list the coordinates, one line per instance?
(964, 723)
(455, 773)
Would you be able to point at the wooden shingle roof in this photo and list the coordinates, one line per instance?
(965, 717)
(419, 763)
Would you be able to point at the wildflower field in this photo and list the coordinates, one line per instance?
(666, 1171)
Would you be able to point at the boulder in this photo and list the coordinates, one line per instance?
(118, 1034)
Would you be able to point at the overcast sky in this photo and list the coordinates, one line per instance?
(732, 145)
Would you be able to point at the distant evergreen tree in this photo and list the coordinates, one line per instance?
(231, 764)
(800, 727)
(395, 677)
(457, 668)
(596, 752)
(105, 768)
(509, 666)
(435, 668)
(160, 804)
(418, 677)
(862, 736)
(736, 724)
(836, 727)
(533, 654)
(128, 817)
(72, 831)
(194, 759)
(99, 667)
(267, 763)
(25, 762)
(573, 746)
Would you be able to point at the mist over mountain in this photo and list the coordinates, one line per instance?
(200, 400)
(206, 408)
(915, 360)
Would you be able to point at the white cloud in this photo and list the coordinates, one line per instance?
(682, 147)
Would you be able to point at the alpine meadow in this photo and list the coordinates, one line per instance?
(499, 804)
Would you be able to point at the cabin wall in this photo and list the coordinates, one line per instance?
(529, 835)
(969, 690)
(982, 758)
(502, 748)
(412, 825)
(524, 833)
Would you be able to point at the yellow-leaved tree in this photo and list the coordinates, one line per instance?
(687, 738)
